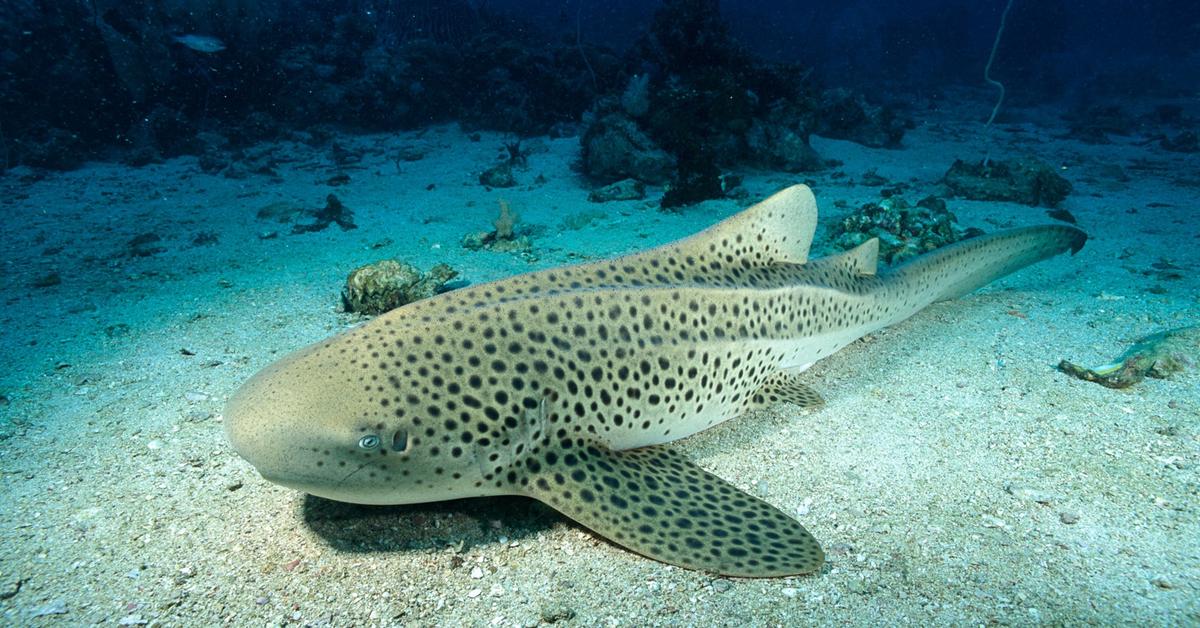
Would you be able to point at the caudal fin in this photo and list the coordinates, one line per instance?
(966, 265)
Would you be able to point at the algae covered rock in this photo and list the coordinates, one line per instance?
(282, 212)
(847, 115)
(53, 148)
(779, 146)
(614, 148)
(1186, 142)
(146, 244)
(498, 176)
(904, 231)
(1027, 181)
(623, 190)
(696, 180)
(388, 284)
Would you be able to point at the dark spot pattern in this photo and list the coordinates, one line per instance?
(536, 383)
(787, 388)
(659, 504)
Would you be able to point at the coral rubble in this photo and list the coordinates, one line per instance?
(904, 231)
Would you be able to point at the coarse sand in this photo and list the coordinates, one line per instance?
(954, 476)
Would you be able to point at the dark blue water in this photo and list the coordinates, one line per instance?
(111, 80)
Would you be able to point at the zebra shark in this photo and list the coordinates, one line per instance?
(560, 384)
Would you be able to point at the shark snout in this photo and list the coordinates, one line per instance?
(288, 421)
(265, 425)
(253, 427)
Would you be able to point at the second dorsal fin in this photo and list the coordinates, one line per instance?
(862, 259)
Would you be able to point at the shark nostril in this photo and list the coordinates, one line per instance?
(400, 441)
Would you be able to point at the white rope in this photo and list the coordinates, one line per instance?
(987, 70)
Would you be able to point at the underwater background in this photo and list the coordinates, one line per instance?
(192, 189)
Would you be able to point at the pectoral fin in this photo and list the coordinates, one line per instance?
(659, 504)
(786, 387)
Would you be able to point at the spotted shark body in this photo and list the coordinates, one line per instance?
(558, 384)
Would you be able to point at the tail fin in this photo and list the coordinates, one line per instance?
(966, 265)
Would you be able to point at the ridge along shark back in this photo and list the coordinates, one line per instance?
(559, 384)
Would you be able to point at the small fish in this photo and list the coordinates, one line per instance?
(201, 43)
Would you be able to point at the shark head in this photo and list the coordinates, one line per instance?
(307, 422)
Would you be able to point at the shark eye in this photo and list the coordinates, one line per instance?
(370, 441)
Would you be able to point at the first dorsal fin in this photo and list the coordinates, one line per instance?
(777, 230)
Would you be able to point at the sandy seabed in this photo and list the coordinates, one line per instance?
(954, 476)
